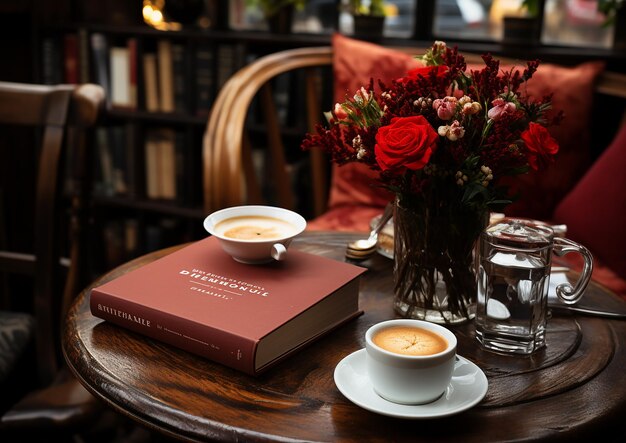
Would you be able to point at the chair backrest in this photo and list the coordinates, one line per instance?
(60, 117)
(229, 177)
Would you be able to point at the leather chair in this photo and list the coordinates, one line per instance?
(48, 270)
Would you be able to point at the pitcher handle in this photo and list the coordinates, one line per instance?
(565, 291)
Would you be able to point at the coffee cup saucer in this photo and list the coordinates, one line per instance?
(467, 388)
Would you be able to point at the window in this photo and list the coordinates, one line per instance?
(566, 22)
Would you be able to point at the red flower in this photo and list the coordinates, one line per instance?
(540, 145)
(406, 143)
(440, 72)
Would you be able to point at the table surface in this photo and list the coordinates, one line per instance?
(571, 390)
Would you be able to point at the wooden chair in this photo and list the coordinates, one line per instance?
(229, 177)
(59, 119)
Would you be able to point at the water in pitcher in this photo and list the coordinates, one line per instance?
(511, 305)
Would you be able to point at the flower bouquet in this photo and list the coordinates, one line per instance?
(441, 138)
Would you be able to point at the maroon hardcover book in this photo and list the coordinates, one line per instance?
(247, 317)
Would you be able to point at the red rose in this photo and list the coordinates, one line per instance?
(406, 143)
(425, 71)
(540, 146)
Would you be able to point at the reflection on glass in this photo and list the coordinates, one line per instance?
(320, 17)
(575, 23)
(463, 19)
(566, 22)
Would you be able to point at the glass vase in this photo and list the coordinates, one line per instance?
(434, 269)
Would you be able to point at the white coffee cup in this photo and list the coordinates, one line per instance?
(255, 234)
(410, 379)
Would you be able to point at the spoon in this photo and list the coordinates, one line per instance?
(362, 248)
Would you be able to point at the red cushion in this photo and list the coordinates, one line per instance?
(541, 191)
(354, 199)
(355, 62)
(595, 210)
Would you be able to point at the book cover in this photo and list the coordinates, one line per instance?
(245, 317)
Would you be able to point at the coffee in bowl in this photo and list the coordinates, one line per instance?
(408, 340)
(255, 227)
(255, 234)
(410, 361)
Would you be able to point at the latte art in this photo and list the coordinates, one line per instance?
(254, 227)
(408, 340)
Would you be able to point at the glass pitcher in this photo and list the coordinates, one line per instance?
(514, 260)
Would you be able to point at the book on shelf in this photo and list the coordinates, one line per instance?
(100, 57)
(165, 75)
(114, 160)
(104, 175)
(167, 163)
(247, 317)
(119, 61)
(123, 67)
(178, 72)
(51, 61)
(161, 164)
(71, 67)
(151, 83)
(83, 55)
(230, 57)
(204, 78)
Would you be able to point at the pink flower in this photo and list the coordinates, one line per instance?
(340, 113)
(500, 108)
(445, 107)
(452, 132)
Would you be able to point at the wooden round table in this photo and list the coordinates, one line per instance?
(571, 390)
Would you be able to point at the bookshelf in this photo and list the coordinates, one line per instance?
(160, 88)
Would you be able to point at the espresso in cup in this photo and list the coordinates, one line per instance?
(408, 340)
(410, 361)
(255, 227)
(255, 234)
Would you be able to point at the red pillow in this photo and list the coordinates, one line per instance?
(595, 210)
(355, 62)
(572, 90)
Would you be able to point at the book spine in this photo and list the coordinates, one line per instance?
(204, 80)
(178, 72)
(151, 93)
(83, 55)
(132, 64)
(70, 59)
(51, 61)
(219, 346)
(165, 75)
(151, 152)
(120, 77)
(100, 62)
